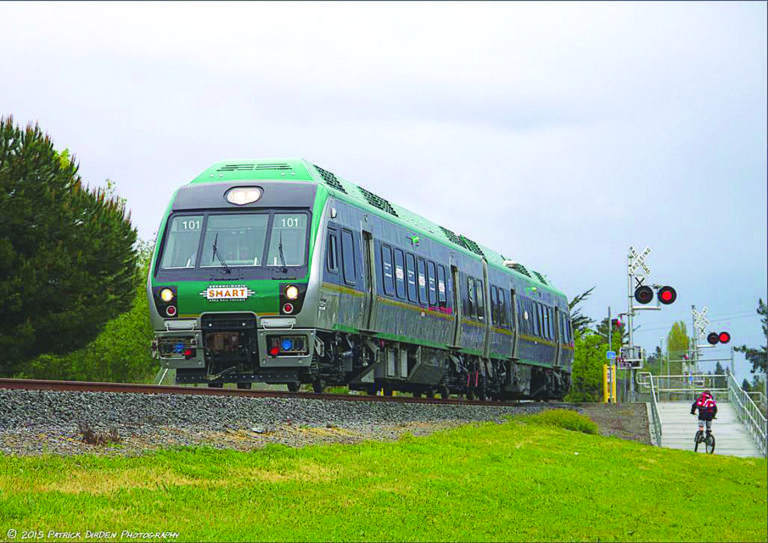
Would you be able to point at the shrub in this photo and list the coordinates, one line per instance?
(564, 418)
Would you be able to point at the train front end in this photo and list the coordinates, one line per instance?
(229, 283)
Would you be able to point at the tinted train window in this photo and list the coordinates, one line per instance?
(422, 282)
(480, 300)
(441, 295)
(333, 254)
(521, 312)
(494, 306)
(411, 275)
(386, 268)
(471, 311)
(288, 242)
(432, 283)
(348, 256)
(400, 274)
(502, 307)
(180, 249)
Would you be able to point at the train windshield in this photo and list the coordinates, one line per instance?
(236, 240)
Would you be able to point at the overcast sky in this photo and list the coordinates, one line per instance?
(557, 133)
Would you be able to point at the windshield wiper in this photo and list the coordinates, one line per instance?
(280, 252)
(217, 254)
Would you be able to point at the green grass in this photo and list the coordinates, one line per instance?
(523, 480)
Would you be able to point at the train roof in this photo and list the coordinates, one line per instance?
(298, 169)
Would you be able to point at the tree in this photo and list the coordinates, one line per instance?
(587, 371)
(720, 379)
(621, 332)
(758, 357)
(745, 386)
(655, 362)
(677, 347)
(580, 323)
(67, 257)
(121, 353)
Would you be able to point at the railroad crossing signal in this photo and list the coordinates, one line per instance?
(644, 294)
(667, 295)
(714, 338)
(700, 321)
(639, 261)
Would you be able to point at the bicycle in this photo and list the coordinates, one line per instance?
(708, 440)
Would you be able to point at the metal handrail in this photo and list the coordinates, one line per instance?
(655, 415)
(749, 413)
(760, 401)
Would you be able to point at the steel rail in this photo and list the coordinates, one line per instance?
(130, 388)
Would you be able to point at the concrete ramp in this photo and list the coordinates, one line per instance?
(678, 427)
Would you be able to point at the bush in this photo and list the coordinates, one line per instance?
(564, 418)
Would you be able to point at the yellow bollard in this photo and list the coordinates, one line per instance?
(606, 382)
(613, 382)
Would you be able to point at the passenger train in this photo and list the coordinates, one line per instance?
(279, 271)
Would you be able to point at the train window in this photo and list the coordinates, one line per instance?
(422, 282)
(480, 300)
(494, 306)
(535, 318)
(547, 326)
(348, 256)
(239, 240)
(400, 274)
(471, 298)
(441, 295)
(333, 254)
(411, 275)
(180, 249)
(502, 307)
(288, 242)
(552, 324)
(386, 267)
(523, 316)
(432, 283)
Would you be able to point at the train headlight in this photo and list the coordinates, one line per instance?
(166, 295)
(291, 292)
(243, 195)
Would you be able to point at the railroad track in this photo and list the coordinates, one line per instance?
(129, 388)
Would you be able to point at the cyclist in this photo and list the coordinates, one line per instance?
(707, 410)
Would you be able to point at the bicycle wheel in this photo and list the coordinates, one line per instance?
(696, 440)
(710, 443)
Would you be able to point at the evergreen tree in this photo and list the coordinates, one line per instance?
(758, 357)
(67, 257)
(746, 386)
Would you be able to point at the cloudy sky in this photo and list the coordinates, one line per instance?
(558, 133)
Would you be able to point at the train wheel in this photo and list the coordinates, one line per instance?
(372, 390)
(444, 392)
(430, 393)
(244, 386)
(470, 394)
(294, 387)
(318, 387)
(215, 385)
(417, 394)
(387, 390)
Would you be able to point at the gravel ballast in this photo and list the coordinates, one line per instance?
(53, 422)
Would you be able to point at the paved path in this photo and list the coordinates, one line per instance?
(679, 426)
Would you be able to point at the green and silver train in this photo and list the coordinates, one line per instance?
(278, 271)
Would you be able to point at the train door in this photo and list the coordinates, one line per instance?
(370, 281)
(515, 322)
(456, 306)
(486, 309)
(558, 332)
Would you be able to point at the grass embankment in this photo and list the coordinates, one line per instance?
(522, 480)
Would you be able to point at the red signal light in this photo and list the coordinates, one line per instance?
(170, 311)
(288, 308)
(724, 337)
(713, 338)
(274, 350)
(667, 295)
